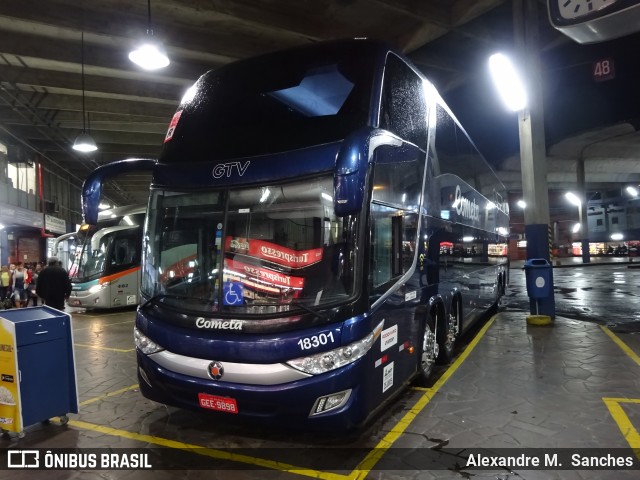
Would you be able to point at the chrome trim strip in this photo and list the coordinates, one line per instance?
(247, 373)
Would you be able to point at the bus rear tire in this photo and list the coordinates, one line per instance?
(448, 333)
(428, 350)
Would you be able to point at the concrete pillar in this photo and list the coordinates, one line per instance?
(533, 155)
(584, 221)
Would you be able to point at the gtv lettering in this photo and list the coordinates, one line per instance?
(227, 169)
(466, 208)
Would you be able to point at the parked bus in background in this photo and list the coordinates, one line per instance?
(293, 252)
(105, 259)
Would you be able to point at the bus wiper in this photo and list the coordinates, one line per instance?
(309, 310)
(166, 295)
(152, 298)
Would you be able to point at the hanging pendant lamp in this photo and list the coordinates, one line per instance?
(150, 54)
(84, 142)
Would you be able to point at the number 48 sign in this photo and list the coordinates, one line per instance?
(603, 69)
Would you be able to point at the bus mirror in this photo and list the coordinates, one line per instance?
(349, 192)
(92, 186)
(352, 163)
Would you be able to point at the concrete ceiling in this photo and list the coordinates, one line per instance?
(129, 109)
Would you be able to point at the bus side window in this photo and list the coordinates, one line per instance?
(404, 107)
(393, 243)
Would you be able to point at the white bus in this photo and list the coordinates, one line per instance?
(105, 270)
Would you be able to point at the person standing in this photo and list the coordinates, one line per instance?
(19, 286)
(54, 285)
(5, 282)
(31, 290)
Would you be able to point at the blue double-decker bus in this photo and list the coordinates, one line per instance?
(320, 231)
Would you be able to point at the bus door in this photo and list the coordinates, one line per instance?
(122, 269)
(393, 244)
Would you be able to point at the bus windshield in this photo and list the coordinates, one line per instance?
(271, 248)
(90, 262)
(107, 251)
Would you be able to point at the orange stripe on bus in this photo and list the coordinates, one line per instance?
(115, 276)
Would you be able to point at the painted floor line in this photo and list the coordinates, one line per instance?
(625, 348)
(99, 347)
(627, 428)
(104, 325)
(107, 395)
(209, 452)
(365, 467)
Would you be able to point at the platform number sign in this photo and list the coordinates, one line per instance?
(603, 69)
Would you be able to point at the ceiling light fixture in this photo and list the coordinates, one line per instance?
(508, 82)
(150, 54)
(84, 142)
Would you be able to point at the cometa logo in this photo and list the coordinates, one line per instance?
(219, 324)
(466, 208)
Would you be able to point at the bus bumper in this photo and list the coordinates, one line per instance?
(289, 404)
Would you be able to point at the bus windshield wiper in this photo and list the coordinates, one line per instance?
(152, 298)
(166, 295)
(309, 310)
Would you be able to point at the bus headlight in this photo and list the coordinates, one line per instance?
(144, 343)
(97, 288)
(327, 361)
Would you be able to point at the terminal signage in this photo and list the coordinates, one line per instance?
(603, 70)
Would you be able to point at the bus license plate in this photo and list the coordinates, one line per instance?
(221, 404)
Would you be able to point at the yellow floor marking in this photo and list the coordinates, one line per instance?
(103, 325)
(98, 347)
(625, 348)
(107, 395)
(365, 467)
(209, 452)
(629, 432)
(421, 389)
(360, 472)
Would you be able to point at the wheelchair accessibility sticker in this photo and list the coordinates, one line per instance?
(233, 293)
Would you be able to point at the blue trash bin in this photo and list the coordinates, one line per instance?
(538, 275)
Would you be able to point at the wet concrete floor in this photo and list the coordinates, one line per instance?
(572, 385)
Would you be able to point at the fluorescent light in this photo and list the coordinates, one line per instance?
(467, 239)
(573, 198)
(150, 56)
(632, 191)
(85, 143)
(522, 204)
(617, 236)
(507, 82)
(576, 228)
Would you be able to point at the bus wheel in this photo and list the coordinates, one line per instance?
(428, 350)
(448, 334)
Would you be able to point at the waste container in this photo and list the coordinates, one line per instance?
(37, 368)
(538, 275)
